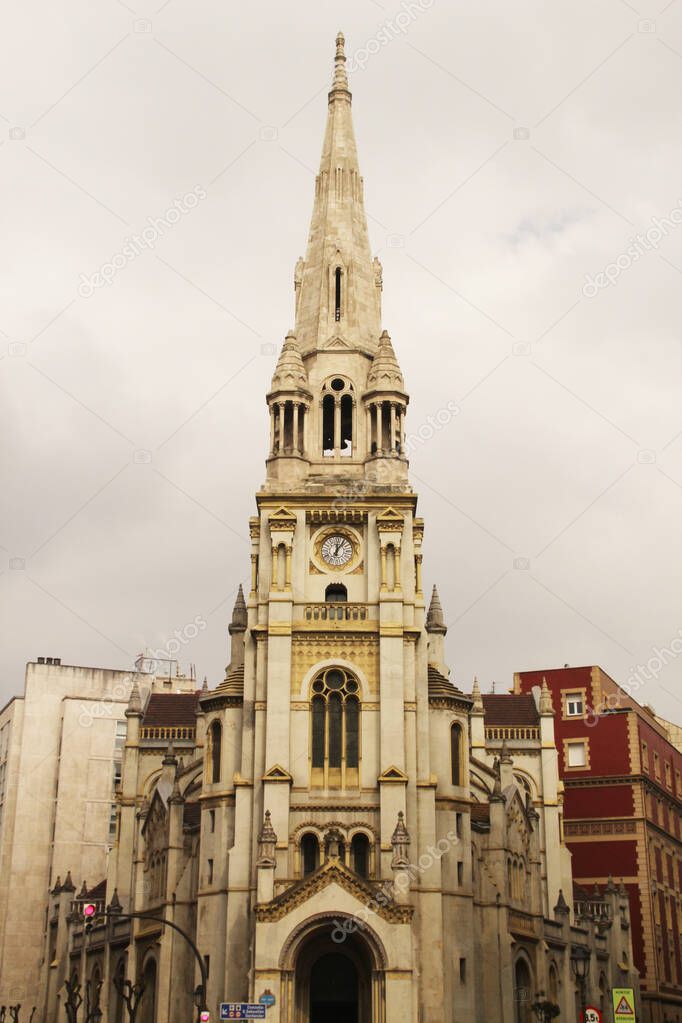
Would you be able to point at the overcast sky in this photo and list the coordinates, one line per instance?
(508, 151)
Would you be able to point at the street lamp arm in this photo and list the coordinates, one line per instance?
(112, 915)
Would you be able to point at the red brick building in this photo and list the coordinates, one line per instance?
(622, 812)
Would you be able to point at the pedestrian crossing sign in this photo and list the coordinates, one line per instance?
(623, 1005)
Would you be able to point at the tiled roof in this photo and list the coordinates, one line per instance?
(191, 817)
(171, 709)
(510, 709)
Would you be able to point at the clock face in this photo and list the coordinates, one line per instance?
(337, 550)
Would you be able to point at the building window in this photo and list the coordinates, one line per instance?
(456, 754)
(460, 873)
(575, 754)
(335, 593)
(645, 758)
(211, 821)
(359, 852)
(657, 766)
(310, 854)
(337, 294)
(209, 872)
(458, 825)
(668, 775)
(120, 739)
(463, 971)
(335, 726)
(215, 735)
(574, 704)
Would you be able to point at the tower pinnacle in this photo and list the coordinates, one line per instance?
(338, 286)
(340, 83)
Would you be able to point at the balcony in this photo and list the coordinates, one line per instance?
(166, 733)
(513, 733)
(336, 611)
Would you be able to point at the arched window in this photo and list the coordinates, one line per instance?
(216, 741)
(553, 984)
(310, 854)
(456, 754)
(523, 992)
(148, 1003)
(338, 415)
(359, 853)
(335, 728)
(118, 979)
(335, 592)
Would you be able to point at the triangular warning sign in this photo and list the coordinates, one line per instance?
(624, 1008)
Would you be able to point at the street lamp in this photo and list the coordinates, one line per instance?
(580, 966)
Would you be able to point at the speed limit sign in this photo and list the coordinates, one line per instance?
(591, 1015)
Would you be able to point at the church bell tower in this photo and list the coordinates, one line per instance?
(323, 783)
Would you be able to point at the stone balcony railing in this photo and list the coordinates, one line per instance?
(512, 733)
(165, 733)
(336, 611)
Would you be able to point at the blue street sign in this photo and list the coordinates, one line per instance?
(241, 1010)
(267, 998)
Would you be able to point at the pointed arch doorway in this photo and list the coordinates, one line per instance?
(334, 981)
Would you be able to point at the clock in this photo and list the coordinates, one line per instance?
(337, 550)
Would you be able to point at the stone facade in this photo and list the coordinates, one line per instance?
(331, 834)
(61, 746)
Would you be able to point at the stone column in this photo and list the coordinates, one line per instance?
(281, 406)
(337, 426)
(296, 407)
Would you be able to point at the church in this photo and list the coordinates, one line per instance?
(342, 830)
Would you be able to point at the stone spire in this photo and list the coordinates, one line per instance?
(134, 708)
(290, 374)
(338, 286)
(385, 373)
(545, 699)
(237, 629)
(477, 707)
(435, 620)
(239, 615)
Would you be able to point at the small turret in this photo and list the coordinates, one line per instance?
(436, 630)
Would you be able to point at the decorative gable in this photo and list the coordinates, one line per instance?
(277, 773)
(334, 872)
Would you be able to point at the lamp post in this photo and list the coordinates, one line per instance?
(580, 966)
